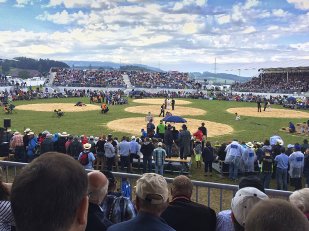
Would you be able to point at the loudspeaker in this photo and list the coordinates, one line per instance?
(7, 123)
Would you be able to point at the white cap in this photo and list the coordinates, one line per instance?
(153, 188)
(244, 200)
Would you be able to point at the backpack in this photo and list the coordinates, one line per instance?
(84, 160)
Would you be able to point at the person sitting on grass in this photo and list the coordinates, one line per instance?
(292, 128)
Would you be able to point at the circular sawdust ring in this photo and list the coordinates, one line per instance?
(269, 113)
(161, 101)
(65, 107)
(134, 125)
(155, 110)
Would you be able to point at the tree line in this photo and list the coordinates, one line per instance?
(41, 65)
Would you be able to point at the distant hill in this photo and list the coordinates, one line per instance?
(110, 65)
(218, 77)
(23, 67)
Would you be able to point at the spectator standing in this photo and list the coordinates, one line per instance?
(151, 201)
(204, 131)
(306, 167)
(124, 152)
(282, 162)
(304, 146)
(134, 151)
(266, 169)
(17, 144)
(100, 163)
(248, 158)
(32, 144)
(47, 145)
(168, 140)
(150, 128)
(296, 161)
(86, 158)
(109, 151)
(161, 129)
(147, 150)
(159, 156)
(185, 142)
(233, 156)
(208, 158)
(202, 218)
(198, 153)
(75, 148)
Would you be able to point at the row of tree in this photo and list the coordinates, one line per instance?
(41, 65)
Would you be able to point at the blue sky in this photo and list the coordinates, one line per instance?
(184, 35)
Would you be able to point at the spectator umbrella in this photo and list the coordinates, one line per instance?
(174, 119)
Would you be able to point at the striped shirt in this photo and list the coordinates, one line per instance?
(159, 155)
(6, 216)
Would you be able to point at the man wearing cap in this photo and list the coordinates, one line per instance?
(266, 168)
(202, 218)
(97, 191)
(17, 145)
(151, 201)
(159, 155)
(26, 138)
(224, 219)
(63, 137)
(32, 145)
(242, 203)
(296, 161)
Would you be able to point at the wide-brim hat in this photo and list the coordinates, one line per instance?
(30, 133)
(87, 146)
(250, 145)
(16, 133)
(64, 134)
(27, 130)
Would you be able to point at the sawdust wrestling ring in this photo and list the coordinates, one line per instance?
(137, 123)
(65, 107)
(155, 110)
(269, 113)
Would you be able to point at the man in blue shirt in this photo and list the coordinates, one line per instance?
(151, 201)
(124, 152)
(233, 156)
(282, 161)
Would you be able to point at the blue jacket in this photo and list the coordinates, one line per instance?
(142, 222)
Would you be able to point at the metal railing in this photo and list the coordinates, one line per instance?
(221, 193)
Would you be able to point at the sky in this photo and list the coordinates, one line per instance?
(237, 37)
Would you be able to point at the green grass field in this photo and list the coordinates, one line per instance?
(93, 123)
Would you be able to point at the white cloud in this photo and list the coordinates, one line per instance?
(62, 17)
(185, 3)
(3, 1)
(22, 3)
(280, 13)
(249, 30)
(300, 4)
(223, 19)
(273, 28)
(251, 4)
(83, 3)
(301, 46)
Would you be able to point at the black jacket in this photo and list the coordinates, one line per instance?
(96, 219)
(168, 137)
(183, 215)
(47, 146)
(147, 149)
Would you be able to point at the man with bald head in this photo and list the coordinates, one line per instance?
(97, 191)
(202, 218)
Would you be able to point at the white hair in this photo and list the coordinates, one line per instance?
(300, 199)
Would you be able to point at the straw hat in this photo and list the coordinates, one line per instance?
(64, 134)
(250, 144)
(87, 146)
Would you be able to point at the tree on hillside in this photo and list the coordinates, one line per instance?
(24, 74)
(5, 67)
